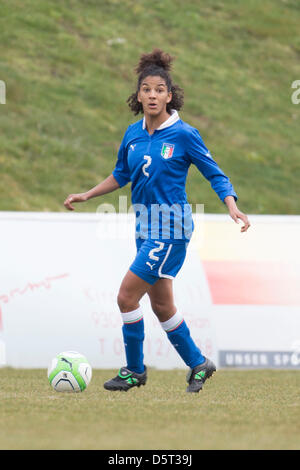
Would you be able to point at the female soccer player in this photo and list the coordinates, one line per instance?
(155, 156)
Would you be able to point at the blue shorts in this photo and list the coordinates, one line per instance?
(155, 259)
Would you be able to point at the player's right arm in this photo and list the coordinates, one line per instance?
(106, 186)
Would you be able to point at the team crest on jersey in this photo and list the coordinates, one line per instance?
(167, 150)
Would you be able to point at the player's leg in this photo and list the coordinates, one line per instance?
(162, 299)
(132, 289)
(171, 320)
(134, 374)
(173, 323)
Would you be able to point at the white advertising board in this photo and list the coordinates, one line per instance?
(60, 275)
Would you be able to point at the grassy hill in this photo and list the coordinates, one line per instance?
(68, 68)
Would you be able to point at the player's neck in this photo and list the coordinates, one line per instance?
(154, 122)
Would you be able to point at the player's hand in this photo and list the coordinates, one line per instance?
(74, 198)
(236, 214)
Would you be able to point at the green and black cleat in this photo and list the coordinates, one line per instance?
(197, 376)
(125, 380)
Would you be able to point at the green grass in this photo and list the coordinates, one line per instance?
(236, 410)
(67, 87)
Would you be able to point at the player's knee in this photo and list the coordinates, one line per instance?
(157, 308)
(122, 300)
(125, 301)
(162, 309)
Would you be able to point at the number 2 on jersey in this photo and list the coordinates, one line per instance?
(148, 163)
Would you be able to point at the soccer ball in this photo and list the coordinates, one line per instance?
(69, 372)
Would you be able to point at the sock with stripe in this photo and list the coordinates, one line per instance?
(179, 335)
(133, 335)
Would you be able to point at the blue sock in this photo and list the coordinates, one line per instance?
(179, 335)
(133, 335)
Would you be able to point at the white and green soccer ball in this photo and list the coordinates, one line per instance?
(69, 372)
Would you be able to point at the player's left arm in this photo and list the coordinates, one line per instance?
(201, 157)
(235, 213)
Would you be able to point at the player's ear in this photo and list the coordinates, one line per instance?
(138, 97)
(170, 96)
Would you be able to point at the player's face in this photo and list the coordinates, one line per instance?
(154, 96)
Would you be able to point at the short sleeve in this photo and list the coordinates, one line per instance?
(121, 171)
(199, 155)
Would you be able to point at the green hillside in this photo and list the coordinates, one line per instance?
(68, 67)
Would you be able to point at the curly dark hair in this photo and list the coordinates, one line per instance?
(157, 63)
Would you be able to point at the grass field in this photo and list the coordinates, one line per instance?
(236, 410)
(68, 68)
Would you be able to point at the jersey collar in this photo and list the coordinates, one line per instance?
(169, 122)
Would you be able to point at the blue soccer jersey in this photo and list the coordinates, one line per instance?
(157, 166)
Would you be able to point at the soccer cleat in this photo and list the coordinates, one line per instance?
(197, 376)
(125, 380)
